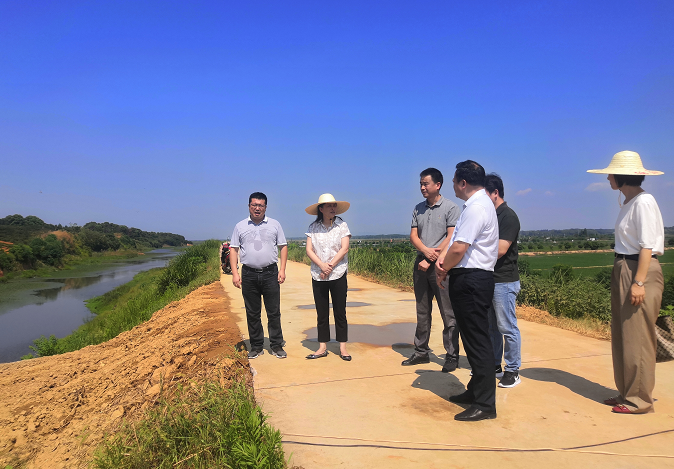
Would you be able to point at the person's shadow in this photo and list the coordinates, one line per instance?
(577, 384)
(441, 384)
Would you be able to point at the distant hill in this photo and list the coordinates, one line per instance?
(19, 230)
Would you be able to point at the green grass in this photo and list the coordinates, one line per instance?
(587, 264)
(205, 426)
(135, 302)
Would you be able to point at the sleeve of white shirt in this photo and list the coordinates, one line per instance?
(645, 217)
(235, 238)
(472, 224)
(281, 237)
(344, 230)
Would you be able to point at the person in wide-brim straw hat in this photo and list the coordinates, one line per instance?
(325, 199)
(636, 284)
(327, 247)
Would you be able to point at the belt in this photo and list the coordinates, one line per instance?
(464, 270)
(632, 257)
(263, 269)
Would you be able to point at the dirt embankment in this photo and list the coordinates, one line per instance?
(54, 411)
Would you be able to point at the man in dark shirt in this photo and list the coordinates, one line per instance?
(502, 317)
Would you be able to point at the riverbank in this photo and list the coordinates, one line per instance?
(131, 304)
(55, 411)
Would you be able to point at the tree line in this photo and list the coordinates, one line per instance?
(29, 242)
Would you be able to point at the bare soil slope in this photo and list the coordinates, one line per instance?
(54, 411)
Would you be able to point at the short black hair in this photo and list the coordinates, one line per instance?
(435, 174)
(628, 179)
(471, 172)
(493, 182)
(257, 195)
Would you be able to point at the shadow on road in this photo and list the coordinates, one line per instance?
(576, 384)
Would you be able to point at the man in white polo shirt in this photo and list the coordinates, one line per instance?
(469, 261)
(257, 239)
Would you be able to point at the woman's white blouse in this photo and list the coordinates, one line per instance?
(326, 243)
(640, 225)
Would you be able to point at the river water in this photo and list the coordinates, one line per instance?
(57, 305)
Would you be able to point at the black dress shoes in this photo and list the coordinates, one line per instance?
(314, 356)
(416, 360)
(450, 365)
(473, 414)
(463, 398)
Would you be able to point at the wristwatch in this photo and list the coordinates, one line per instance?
(638, 283)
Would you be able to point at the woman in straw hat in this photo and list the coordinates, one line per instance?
(327, 247)
(636, 285)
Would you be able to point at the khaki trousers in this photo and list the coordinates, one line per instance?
(633, 339)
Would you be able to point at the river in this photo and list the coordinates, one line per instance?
(57, 306)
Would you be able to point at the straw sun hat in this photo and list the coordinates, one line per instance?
(327, 199)
(628, 163)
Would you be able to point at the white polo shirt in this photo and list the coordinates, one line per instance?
(640, 225)
(478, 226)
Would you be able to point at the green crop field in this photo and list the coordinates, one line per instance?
(587, 264)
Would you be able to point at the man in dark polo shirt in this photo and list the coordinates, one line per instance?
(257, 239)
(433, 223)
(502, 315)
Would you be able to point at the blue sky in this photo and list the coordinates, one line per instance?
(167, 115)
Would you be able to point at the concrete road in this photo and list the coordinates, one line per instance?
(374, 413)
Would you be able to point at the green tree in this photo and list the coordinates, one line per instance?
(23, 254)
(6, 260)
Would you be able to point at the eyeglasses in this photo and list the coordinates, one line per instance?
(257, 206)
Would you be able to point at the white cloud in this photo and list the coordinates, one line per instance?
(598, 186)
(549, 193)
(523, 192)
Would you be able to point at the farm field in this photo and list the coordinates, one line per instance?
(587, 264)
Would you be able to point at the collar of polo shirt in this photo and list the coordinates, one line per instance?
(264, 220)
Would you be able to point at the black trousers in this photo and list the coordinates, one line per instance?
(471, 293)
(337, 289)
(254, 287)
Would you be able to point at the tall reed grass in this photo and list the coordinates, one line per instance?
(206, 426)
(135, 302)
(381, 265)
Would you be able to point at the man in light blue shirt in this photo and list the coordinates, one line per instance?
(255, 240)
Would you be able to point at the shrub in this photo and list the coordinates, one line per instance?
(44, 347)
(574, 298)
(603, 277)
(561, 273)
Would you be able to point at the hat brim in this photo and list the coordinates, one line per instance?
(626, 171)
(342, 207)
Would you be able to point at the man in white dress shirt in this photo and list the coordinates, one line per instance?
(469, 262)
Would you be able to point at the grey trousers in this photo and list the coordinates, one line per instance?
(425, 289)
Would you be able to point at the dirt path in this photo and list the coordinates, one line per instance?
(54, 411)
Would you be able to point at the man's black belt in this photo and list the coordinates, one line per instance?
(463, 270)
(263, 269)
(632, 257)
